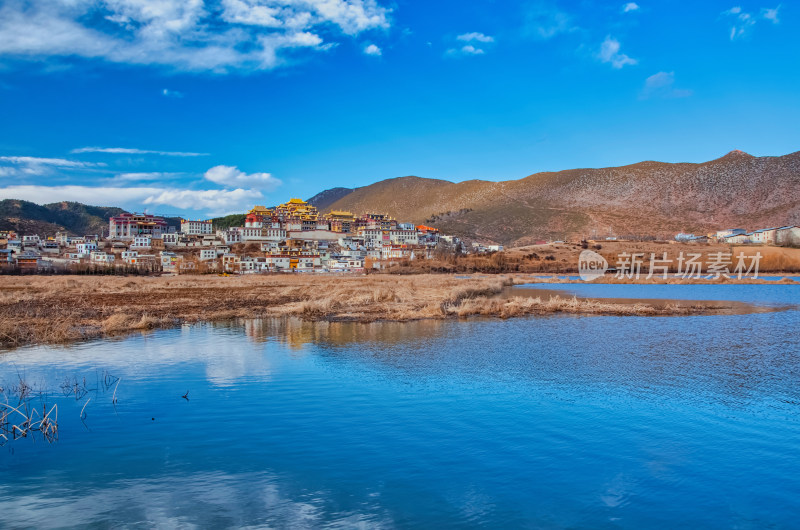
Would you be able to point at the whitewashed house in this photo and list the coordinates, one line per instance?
(207, 254)
(788, 235)
(86, 248)
(170, 261)
(738, 239)
(724, 234)
(101, 257)
(142, 242)
(765, 236)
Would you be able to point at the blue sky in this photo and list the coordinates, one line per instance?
(207, 107)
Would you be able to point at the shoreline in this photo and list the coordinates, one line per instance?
(38, 310)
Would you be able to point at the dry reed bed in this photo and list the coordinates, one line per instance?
(610, 279)
(37, 309)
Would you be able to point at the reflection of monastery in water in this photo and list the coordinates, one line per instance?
(296, 333)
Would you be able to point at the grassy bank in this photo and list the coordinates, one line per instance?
(37, 310)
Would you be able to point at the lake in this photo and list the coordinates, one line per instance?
(553, 422)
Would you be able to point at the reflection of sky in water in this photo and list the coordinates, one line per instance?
(198, 499)
(552, 421)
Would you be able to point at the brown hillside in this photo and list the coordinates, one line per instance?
(648, 198)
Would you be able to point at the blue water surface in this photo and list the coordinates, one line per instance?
(760, 294)
(554, 422)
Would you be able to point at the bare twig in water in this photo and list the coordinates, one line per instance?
(83, 416)
(114, 397)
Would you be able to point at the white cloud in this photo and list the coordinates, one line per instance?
(469, 49)
(630, 6)
(216, 200)
(31, 166)
(743, 22)
(662, 85)
(545, 22)
(182, 34)
(770, 14)
(167, 93)
(610, 53)
(132, 151)
(230, 176)
(144, 176)
(58, 162)
(351, 16)
(213, 200)
(372, 50)
(480, 37)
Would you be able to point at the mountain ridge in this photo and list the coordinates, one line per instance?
(65, 216)
(645, 198)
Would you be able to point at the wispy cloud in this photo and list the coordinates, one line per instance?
(232, 177)
(32, 166)
(544, 21)
(469, 49)
(167, 93)
(476, 44)
(373, 50)
(610, 53)
(743, 21)
(474, 36)
(213, 200)
(145, 176)
(630, 6)
(662, 85)
(184, 35)
(132, 151)
(770, 14)
(58, 162)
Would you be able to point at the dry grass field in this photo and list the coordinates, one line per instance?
(562, 258)
(57, 309)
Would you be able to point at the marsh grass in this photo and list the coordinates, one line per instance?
(20, 418)
(62, 309)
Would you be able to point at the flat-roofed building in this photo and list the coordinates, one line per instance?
(196, 228)
(130, 225)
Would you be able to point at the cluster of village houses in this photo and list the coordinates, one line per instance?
(291, 237)
(784, 235)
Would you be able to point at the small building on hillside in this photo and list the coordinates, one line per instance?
(722, 234)
(196, 228)
(170, 261)
(128, 225)
(142, 242)
(737, 239)
(765, 236)
(101, 258)
(207, 254)
(788, 236)
(86, 248)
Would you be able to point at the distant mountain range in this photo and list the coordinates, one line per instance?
(648, 198)
(27, 217)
